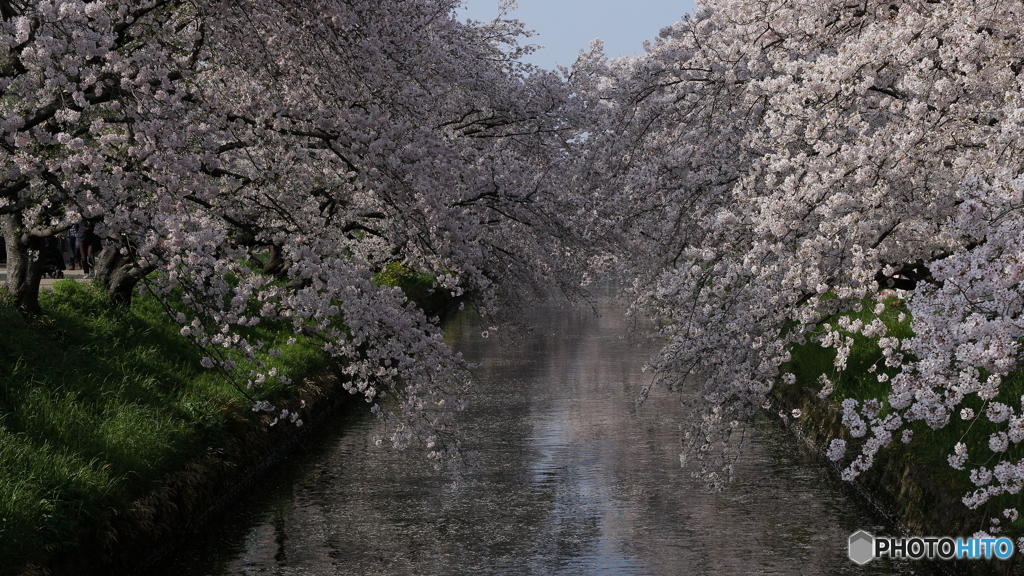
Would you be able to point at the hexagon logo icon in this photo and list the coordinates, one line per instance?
(862, 547)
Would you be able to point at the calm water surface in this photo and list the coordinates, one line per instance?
(575, 480)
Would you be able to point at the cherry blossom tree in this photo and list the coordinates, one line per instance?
(666, 149)
(333, 137)
(780, 162)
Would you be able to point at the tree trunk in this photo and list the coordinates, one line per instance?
(276, 264)
(118, 273)
(24, 264)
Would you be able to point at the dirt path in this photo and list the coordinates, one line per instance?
(46, 283)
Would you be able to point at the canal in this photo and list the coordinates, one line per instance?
(573, 479)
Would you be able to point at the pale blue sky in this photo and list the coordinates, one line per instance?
(564, 27)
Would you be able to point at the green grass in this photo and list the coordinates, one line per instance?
(96, 405)
(420, 288)
(929, 449)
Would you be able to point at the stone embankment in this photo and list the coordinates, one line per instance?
(916, 503)
(128, 540)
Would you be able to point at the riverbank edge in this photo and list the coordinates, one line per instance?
(126, 540)
(894, 487)
(131, 539)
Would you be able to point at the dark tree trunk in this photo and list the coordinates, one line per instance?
(118, 273)
(24, 263)
(276, 264)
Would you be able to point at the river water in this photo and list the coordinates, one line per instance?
(573, 479)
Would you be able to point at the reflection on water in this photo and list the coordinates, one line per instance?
(574, 480)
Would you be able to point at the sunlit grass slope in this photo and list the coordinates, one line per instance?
(96, 405)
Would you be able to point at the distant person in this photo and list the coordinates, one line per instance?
(52, 256)
(88, 246)
(71, 237)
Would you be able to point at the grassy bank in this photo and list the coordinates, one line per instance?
(914, 480)
(101, 411)
(112, 436)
